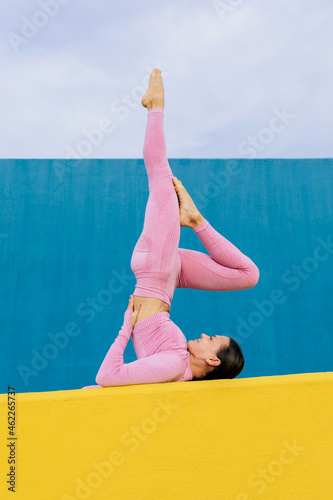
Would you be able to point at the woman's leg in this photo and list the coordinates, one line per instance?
(225, 268)
(155, 260)
(202, 272)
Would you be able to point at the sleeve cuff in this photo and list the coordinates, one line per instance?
(201, 227)
(128, 313)
(127, 318)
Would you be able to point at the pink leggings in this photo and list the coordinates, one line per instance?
(158, 264)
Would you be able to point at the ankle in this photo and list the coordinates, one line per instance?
(196, 220)
(156, 110)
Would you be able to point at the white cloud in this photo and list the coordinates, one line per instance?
(222, 78)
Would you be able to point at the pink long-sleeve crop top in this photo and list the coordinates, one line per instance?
(161, 349)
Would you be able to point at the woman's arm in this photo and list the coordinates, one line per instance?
(114, 359)
(161, 367)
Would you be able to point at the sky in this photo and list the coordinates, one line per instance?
(242, 78)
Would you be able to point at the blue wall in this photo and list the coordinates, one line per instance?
(67, 232)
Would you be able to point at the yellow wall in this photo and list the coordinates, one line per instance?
(258, 438)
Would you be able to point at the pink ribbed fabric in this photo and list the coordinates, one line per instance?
(155, 260)
(162, 353)
(160, 267)
(225, 268)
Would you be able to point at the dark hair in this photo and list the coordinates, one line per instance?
(232, 362)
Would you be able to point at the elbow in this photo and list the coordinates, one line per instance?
(105, 379)
(99, 380)
(253, 276)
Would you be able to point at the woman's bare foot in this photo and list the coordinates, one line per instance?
(188, 212)
(154, 97)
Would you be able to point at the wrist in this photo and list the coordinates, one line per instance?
(128, 313)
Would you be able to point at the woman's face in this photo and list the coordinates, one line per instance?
(207, 346)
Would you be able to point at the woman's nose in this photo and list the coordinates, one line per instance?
(203, 335)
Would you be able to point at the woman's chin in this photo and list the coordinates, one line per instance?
(189, 344)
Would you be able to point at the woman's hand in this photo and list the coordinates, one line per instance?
(131, 303)
(135, 310)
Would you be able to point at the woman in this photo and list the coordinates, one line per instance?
(160, 267)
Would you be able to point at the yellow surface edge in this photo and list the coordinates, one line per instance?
(252, 438)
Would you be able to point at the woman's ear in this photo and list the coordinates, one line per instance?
(213, 361)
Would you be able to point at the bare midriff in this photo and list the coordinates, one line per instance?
(149, 306)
